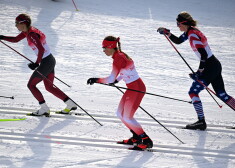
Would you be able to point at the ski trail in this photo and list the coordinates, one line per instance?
(110, 144)
(112, 119)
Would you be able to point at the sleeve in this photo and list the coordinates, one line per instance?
(118, 64)
(34, 38)
(119, 78)
(14, 39)
(197, 44)
(204, 55)
(178, 40)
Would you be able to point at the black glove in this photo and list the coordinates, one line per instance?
(116, 81)
(91, 81)
(33, 65)
(163, 30)
(195, 76)
(1, 37)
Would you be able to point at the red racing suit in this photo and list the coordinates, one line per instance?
(37, 41)
(124, 66)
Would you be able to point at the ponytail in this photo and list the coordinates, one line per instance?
(112, 38)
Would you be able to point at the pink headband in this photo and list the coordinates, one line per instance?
(110, 44)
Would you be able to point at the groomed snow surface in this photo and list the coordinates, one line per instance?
(75, 39)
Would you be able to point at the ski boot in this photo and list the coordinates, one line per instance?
(135, 139)
(44, 110)
(145, 143)
(70, 106)
(200, 124)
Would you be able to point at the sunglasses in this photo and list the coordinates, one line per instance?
(19, 22)
(179, 23)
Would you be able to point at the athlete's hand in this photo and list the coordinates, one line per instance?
(116, 81)
(163, 30)
(33, 65)
(1, 37)
(91, 81)
(195, 76)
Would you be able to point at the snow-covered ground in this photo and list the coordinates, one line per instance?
(75, 39)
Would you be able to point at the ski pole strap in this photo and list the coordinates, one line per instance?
(190, 102)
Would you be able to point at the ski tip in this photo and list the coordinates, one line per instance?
(14, 119)
(232, 127)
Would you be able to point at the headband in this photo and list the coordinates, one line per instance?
(182, 20)
(110, 44)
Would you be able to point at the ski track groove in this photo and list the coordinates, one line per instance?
(99, 143)
(113, 119)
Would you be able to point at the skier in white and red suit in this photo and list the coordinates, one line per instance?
(43, 67)
(124, 66)
(209, 70)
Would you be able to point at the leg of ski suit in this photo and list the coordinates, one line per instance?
(129, 104)
(47, 69)
(211, 74)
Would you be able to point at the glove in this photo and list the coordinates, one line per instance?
(195, 76)
(116, 81)
(1, 37)
(91, 81)
(33, 65)
(163, 30)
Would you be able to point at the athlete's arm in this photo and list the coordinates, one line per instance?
(178, 40)
(118, 64)
(34, 38)
(14, 39)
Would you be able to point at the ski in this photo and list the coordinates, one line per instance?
(232, 127)
(56, 112)
(31, 114)
(14, 119)
(139, 149)
(208, 128)
(60, 112)
(69, 113)
(191, 129)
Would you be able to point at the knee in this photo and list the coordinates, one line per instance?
(194, 96)
(118, 113)
(30, 86)
(192, 93)
(127, 119)
(195, 89)
(223, 96)
(49, 88)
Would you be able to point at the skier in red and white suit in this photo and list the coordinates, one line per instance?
(44, 65)
(124, 66)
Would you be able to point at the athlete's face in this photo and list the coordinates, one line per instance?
(21, 26)
(182, 27)
(108, 51)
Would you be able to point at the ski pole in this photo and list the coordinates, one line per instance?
(70, 99)
(194, 73)
(29, 60)
(155, 119)
(146, 93)
(12, 97)
(75, 5)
